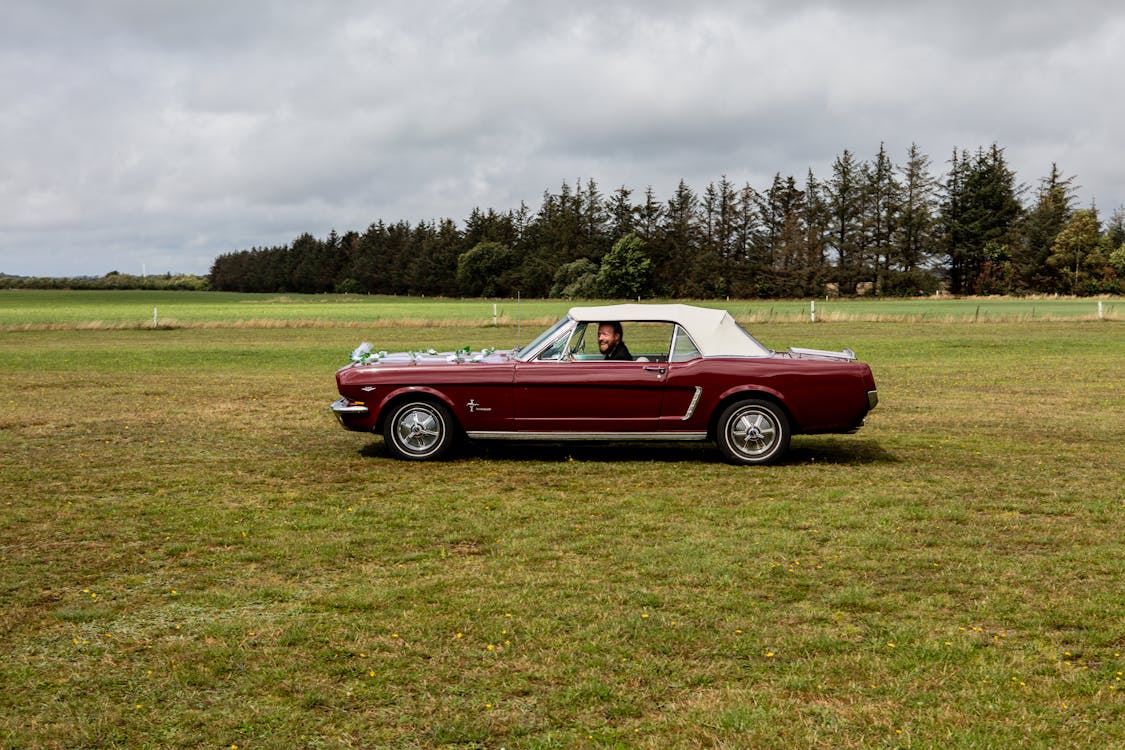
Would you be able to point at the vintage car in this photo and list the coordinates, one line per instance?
(692, 373)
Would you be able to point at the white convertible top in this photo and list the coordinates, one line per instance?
(714, 332)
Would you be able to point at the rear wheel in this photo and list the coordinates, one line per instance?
(419, 431)
(753, 432)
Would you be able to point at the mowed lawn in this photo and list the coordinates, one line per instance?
(61, 309)
(194, 554)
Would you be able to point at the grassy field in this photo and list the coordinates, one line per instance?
(193, 554)
(38, 310)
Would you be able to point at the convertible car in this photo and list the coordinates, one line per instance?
(616, 372)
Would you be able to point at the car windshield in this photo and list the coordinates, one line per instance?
(525, 351)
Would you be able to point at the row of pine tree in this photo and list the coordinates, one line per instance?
(871, 227)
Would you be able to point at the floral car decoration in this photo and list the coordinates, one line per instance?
(687, 373)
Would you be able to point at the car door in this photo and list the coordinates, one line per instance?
(684, 385)
(578, 391)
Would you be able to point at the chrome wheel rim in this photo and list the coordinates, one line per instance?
(418, 430)
(753, 432)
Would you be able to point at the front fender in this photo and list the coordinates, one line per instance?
(408, 391)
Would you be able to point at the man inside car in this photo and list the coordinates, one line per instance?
(610, 343)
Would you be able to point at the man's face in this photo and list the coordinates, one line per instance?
(607, 338)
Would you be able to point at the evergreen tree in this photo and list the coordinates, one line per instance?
(708, 265)
(873, 220)
(790, 251)
(622, 213)
(915, 240)
(650, 216)
(746, 264)
(365, 269)
(1051, 212)
(844, 199)
(1115, 229)
(980, 217)
(679, 244)
(881, 205)
(812, 273)
(558, 227)
(433, 271)
(1077, 254)
(772, 207)
(593, 220)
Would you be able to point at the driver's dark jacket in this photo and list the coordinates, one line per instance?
(619, 352)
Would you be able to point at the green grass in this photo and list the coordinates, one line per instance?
(193, 554)
(30, 310)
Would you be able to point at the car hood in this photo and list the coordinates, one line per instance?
(365, 355)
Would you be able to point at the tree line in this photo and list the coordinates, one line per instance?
(114, 280)
(872, 226)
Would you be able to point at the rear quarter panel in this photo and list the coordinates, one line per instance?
(821, 396)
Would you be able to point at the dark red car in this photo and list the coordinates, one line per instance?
(663, 372)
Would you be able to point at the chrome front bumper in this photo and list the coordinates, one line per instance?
(347, 406)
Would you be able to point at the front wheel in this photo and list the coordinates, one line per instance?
(419, 431)
(753, 432)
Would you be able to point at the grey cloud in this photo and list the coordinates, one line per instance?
(137, 132)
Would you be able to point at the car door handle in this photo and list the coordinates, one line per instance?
(653, 368)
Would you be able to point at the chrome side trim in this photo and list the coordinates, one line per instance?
(507, 435)
(694, 403)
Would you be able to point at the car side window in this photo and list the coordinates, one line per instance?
(683, 348)
(649, 342)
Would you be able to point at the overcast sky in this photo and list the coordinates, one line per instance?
(141, 135)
